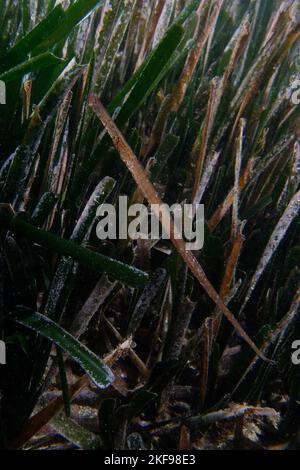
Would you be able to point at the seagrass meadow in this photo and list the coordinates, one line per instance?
(141, 344)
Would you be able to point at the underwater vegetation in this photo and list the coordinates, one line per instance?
(143, 344)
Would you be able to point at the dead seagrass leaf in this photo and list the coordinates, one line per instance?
(140, 176)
